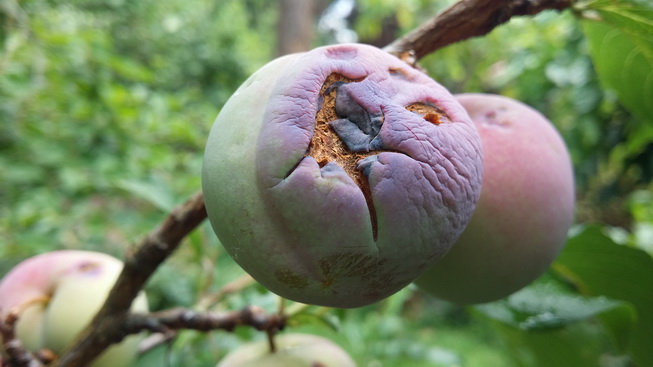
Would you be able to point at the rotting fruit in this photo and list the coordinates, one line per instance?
(525, 210)
(292, 350)
(56, 295)
(337, 176)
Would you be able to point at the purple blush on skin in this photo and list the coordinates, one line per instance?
(366, 171)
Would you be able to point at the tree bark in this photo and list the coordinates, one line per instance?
(295, 26)
(466, 19)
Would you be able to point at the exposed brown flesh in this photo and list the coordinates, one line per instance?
(327, 147)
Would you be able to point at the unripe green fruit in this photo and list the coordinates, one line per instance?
(293, 350)
(57, 294)
(525, 210)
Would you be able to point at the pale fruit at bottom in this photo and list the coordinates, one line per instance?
(57, 294)
(293, 350)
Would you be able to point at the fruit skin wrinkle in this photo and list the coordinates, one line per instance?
(525, 211)
(357, 226)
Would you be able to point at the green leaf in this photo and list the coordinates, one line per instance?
(315, 317)
(154, 193)
(576, 345)
(621, 46)
(543, 307)
(600, 267)
(541, 324)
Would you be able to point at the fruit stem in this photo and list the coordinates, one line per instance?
(281, 307)
(271, 343)
(40, 300)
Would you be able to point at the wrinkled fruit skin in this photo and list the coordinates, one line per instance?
(57, 294)
(525, 210)
(337, 176)
(293, 350)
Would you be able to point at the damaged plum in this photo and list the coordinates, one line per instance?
(338, 176)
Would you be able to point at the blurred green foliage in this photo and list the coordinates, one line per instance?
(104, 102)
(104, 111)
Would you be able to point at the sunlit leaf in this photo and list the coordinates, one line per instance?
(543, 307)
(156, 195)
(317, 318)
(576, 345)
(542, 325)
(621, 46)
(600, 267)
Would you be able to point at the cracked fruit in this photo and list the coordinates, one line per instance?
(337, 176)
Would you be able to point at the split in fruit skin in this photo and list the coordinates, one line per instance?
(315, 170)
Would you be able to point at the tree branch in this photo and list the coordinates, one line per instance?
(180, 318)
(466, 19)
(17, 355)
(107, 326)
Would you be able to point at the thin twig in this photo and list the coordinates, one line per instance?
(17, 355)
(272, 345)
(234, 286)
(466, 19)
(181, 318)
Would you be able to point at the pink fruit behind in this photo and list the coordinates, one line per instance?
(524, 212)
